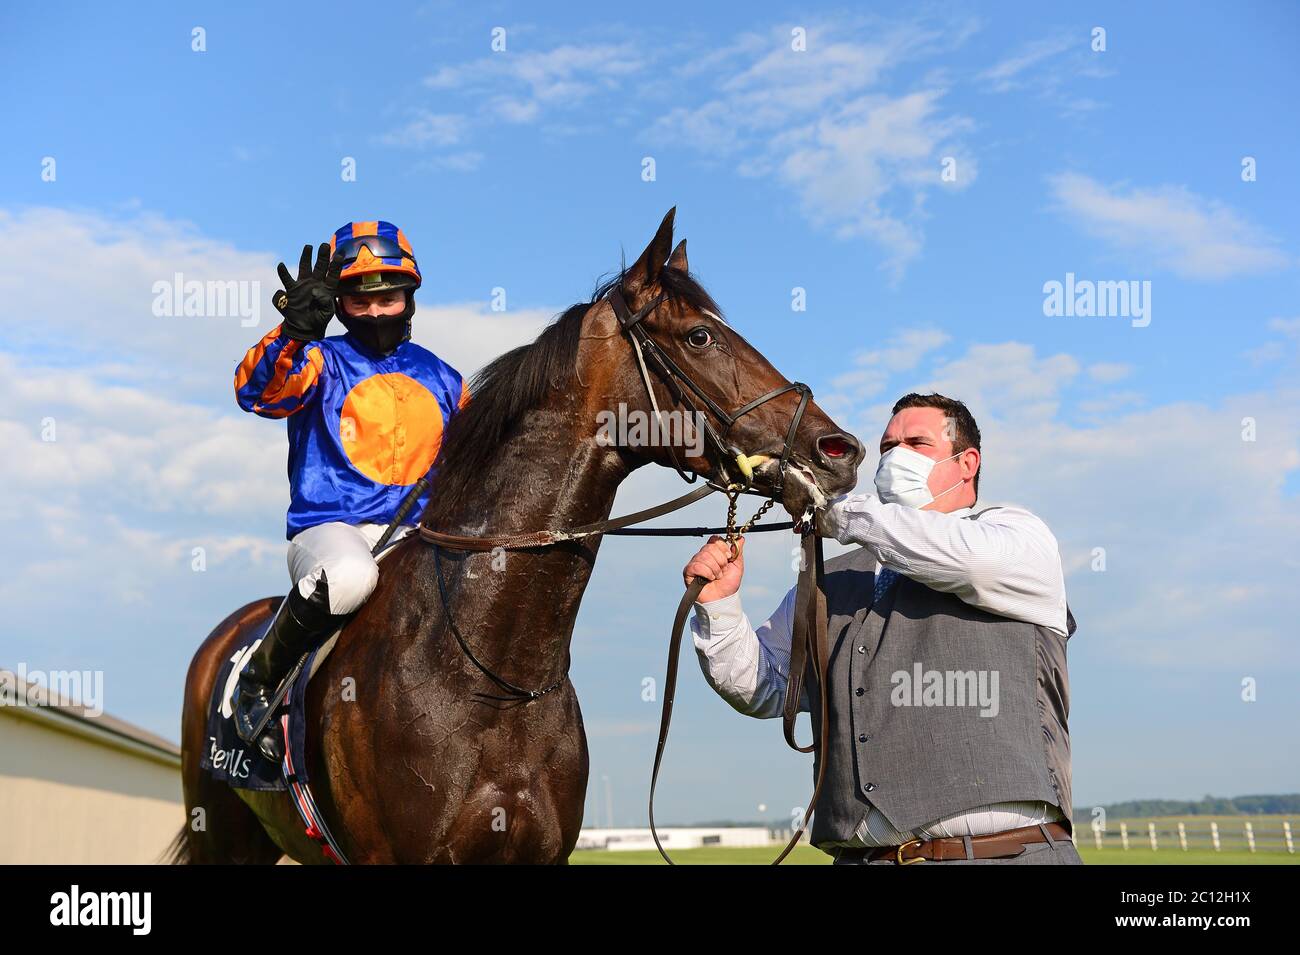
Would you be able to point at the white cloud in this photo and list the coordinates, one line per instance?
(464, 161)
(1109, 371)
(1047, 69)
(130, 448)
(102, 316)
(1007, 74)
(469, 335)
(103, 313)
(521, 86)
(866, 169)
(1110, 403)
(1010, 377)
(1168, 227)
(862, 162)
(1277, 349)
(873, 369)
(427, 129)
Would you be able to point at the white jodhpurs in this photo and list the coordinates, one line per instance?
(343, 552)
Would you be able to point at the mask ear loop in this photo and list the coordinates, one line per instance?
(957, 485)
(409, 312)
(942, 493)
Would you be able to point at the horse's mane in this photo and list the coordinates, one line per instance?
(512, 384)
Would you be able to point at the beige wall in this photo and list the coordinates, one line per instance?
(73, 794)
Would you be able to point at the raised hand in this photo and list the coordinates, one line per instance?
(307, 302)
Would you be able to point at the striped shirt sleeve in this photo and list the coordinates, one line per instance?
(278, 376)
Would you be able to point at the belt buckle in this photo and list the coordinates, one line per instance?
(898, 856)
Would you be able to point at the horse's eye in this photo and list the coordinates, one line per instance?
(699, 337)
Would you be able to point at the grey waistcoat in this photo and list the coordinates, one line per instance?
(918, 763)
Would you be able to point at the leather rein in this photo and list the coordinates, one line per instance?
(808, 642)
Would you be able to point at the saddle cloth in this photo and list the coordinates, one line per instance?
(227, 757)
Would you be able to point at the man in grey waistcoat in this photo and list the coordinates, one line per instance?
(948, 692)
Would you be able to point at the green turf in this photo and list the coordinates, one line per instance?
(713, 855)
(805, 855)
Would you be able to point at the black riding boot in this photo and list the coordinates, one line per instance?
(301, 623)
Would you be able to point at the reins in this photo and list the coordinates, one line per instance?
(807, 643)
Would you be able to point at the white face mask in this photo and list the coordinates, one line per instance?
(903, 477)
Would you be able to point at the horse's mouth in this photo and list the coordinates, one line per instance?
(800, 493)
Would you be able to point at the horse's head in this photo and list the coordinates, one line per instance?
(723, 411)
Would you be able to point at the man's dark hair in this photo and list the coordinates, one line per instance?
(967, 432)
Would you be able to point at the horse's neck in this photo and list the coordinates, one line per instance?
(539, 481)
(517, 608)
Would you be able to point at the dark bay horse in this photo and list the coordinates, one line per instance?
(413, 757)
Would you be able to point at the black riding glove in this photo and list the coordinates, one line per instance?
(307, 304)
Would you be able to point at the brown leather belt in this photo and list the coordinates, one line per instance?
(995, 845)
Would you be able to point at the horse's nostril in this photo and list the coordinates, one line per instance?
(834, 446)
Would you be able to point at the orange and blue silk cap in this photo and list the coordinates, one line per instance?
(376, 257)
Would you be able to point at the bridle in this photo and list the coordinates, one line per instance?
(808, 642)
(674, 378)
(650, 355)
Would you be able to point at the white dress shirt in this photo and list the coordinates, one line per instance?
(999, 558)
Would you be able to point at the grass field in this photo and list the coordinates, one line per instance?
(805, 855)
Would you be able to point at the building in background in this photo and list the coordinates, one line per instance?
(82, 788)
(675, 837)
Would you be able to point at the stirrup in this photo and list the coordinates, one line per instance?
(249, 710)
(271, 743)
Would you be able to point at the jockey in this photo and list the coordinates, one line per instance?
(366, 412)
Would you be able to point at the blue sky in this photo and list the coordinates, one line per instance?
(818, 169)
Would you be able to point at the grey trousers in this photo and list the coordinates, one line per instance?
(1060, 852)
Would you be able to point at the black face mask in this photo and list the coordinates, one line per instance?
(383, 334)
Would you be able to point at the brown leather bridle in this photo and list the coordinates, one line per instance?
(808, 641)
(674, 378)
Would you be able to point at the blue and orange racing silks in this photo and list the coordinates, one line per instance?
(362, 429)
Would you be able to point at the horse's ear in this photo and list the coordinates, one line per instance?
(647, 268)
(678, 259)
